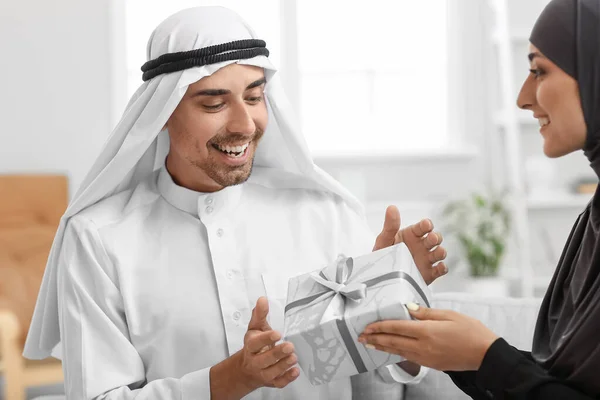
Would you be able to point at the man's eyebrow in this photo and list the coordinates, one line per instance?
(257, 83)
(223, 92)
(533, 55)
(211, 92)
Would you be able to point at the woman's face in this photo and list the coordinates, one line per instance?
(553, 96)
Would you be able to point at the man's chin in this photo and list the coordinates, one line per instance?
(234, 177)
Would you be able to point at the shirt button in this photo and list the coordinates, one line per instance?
(209, 200)
(220, 232)
(237, 315)
(209, 209)
(230, 274)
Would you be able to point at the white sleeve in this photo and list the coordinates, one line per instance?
(395, 374)
(99, 360)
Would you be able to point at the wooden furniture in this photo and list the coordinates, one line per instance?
(30, 210)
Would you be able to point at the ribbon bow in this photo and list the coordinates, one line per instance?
(356, 291)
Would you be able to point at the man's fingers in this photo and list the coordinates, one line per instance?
(288, 377)
(391, 225)
(266, 348)
(422, 228)
(438, 254)
(256, 340)
(258, 321)
(439, 270)
(279, 368)
(271, 357)
(408, 328)
(433, 239)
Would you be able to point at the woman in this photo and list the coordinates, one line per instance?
(563, 92)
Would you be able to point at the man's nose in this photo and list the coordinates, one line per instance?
(241, 121)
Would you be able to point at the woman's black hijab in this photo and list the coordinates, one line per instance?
(567, 335)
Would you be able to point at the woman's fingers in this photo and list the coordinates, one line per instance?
(384, 340)
(432, 314)
(406, 328)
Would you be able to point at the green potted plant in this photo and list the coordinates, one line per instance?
(481, 225)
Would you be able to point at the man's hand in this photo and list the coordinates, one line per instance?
(262, 363)
(422, 242)
(259, 363)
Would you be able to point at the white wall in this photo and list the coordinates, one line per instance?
(55, 92)
(61, 95)
(420, 184)
(57, 100)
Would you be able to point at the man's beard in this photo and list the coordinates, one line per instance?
(226, 175)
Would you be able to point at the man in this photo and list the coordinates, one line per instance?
(203, 202)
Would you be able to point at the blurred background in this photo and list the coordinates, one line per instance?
(410, 102)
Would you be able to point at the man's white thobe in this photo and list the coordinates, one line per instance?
(157, 284)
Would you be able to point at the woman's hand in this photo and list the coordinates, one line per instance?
(439, 339)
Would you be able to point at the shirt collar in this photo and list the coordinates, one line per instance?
(198, 204)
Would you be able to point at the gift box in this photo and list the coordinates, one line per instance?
(328, 309)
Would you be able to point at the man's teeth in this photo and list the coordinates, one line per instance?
(234, 149)
(543, 121)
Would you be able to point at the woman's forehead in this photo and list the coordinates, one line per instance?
(534, 53)
(533, 49)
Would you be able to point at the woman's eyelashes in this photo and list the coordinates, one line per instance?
(537, 72)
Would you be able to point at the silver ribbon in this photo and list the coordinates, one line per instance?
(355, 291)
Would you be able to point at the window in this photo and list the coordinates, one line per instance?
(371, 75)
